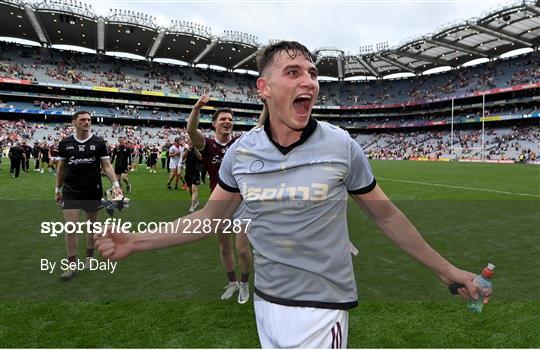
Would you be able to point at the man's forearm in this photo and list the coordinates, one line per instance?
(59, 176)
(109, 172)
(179, 232)
(401, 231)
(193, 120)
(190, 228)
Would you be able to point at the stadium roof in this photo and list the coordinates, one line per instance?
(54, 22)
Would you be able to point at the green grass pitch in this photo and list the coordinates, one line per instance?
(471, 213)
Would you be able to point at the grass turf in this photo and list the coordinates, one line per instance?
(170, 298)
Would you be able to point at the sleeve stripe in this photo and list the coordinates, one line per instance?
(61, 158)
(105, 157)
(227, 187)
(366, 189)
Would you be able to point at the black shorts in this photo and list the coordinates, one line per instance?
(89, 202)
(120, 169)
(192, 179)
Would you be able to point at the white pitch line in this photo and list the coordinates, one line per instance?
(461, 187)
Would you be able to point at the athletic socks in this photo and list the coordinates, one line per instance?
(231, 276)
(245, 277)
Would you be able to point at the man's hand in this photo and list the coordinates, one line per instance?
(58, 198)
(203, 100)
(469, 291)
(118, 191)
(114, 246)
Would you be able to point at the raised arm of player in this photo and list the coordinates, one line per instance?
(220, 206)
(395, 225)
(59, 181)
(109, 171)
(195, 135)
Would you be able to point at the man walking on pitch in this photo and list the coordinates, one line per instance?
(16, 157)
(175, 156)
(78, 182)
(122, 155)
(192, 159)
(294, 175)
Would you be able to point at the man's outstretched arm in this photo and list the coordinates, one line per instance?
(220, 206)
(397, 227)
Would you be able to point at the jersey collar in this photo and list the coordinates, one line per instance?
(220, 143)
(82, 141)
(306, 133)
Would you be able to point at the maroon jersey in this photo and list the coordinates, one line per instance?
(54, 151)
(212, 155)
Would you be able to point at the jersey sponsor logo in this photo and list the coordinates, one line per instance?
(70, 147)
(76, 161)
(217, 159)
(82, 148)
(314, 192)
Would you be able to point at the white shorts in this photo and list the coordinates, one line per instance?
(173, 164)
(281, 326)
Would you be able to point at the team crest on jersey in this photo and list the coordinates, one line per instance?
(81, 148)
(92, 147)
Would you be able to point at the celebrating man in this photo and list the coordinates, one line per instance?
(294, 175)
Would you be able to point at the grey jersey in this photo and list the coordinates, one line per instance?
(297, 201)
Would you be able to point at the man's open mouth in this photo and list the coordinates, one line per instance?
(302, 103)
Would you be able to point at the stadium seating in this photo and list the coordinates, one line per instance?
(60, 67)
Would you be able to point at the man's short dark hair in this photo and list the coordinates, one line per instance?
(79, 113)
(219, 111)
(291, 48)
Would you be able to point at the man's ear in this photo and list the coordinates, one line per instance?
(263, 88)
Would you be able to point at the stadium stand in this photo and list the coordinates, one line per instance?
(402, 118)
(57, 67)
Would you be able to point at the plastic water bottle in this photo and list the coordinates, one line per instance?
(483, 285)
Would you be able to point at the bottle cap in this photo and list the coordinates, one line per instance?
(487, 272)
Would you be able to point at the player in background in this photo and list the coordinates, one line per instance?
(305, 279)
(212, 150)
(182, 166)
(16, 158)
(121, 157)
(154, 154)
(53, 156)
(175, 156)
(78, 182)
(27, 153)
(193, 160)
(45, 160)
(36, 153)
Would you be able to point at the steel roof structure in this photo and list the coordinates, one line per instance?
(70, 22)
